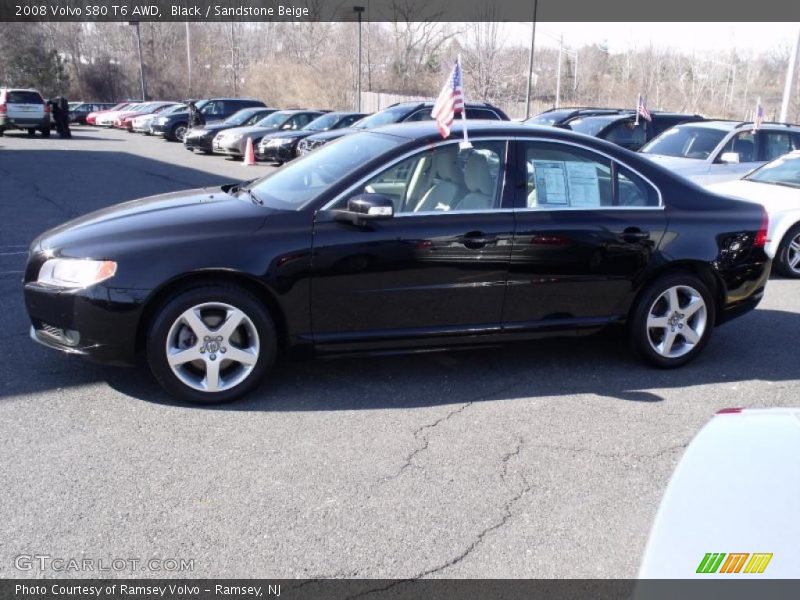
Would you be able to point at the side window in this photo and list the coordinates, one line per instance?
(445, 179)
(566, 177)
(423, 114)
(347, 121)
(212, 108)
(775, 144)
(481, 113)
(627, 134)
(632, 190)
(743, 144)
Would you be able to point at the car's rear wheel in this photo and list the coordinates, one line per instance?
(788, 255)
(211, 344)
(672, 320)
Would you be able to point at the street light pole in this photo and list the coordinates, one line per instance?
(790, 73)
(358, 10)
(141, 62)
(530, 63)
(188, 61)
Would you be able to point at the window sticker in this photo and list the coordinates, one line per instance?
(566, 183)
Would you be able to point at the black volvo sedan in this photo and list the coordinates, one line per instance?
(395, 239)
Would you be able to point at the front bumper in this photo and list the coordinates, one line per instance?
(99, 323)
(229, 148)
(198, 143)
(158, 128)
(283, 153)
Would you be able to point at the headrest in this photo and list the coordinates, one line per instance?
(477, 175)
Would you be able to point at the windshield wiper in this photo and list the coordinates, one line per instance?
(255, 199)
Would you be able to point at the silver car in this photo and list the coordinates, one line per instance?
(233, 142)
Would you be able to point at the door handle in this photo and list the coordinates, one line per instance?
(476, 239)
(634, 234)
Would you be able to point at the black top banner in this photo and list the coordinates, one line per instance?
(401, 10)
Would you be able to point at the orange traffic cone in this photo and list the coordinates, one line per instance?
(249, 154)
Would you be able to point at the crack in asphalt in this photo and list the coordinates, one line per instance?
(38, 193)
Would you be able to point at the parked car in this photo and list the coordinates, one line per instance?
(397, 239)
(775, 186)
(124, 119)
(281, 147)
(729, 511)
(401, 112)
(141, 124)
(200, 138)
(716, 151)
(106, 118)
(24, 109)
(233, 142)
(81, 110)
(174, 126)
(559, 116)
(622, 128)
(92, 116)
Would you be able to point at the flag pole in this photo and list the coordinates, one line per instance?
(465, 145)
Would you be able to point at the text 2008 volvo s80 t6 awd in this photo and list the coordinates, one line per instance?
(397, 239)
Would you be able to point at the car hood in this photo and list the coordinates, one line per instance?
(677, 163)
(215, 126)
(294, 135)
(774, 198)
(334, 134)
(251, 130)
(197, 214)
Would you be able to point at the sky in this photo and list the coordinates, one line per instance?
(759, 37)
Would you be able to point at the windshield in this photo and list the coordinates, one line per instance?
(589, 125)
(323, 123)
(384, 117)
(274, 120)
(241, 117)
(174, 109)
(781, 171)
(299, 182)
(686, 142)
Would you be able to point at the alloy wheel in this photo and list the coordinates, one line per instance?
(676, 321)
(180, 132)
(212, 347)
(793, 254)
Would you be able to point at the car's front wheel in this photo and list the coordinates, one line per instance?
(788, 255)
(211, 344)
(672, 320)
(179, 132)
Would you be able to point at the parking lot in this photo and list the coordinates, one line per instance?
(528, 461)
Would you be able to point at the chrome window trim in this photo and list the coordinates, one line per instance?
(351, 189)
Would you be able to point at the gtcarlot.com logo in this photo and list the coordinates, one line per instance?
(735, 562)
(46, 562)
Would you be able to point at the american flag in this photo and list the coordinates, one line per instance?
(450, 100)
(641, 108)
(758, 117)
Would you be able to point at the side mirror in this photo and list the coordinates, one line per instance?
(729, 157)
(367, 207)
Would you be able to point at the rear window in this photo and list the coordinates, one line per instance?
(22, 97)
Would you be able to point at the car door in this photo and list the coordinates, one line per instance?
(745, 145)
(586, 228)
(438, 266)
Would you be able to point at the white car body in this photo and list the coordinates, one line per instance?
(142, 124)
(782, 204)
(106, 119)
(712, 169)
(736, 490)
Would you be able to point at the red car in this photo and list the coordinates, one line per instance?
(124, 119)
(90, 118)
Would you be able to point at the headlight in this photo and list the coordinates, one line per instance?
(75, 273)
(279, 142)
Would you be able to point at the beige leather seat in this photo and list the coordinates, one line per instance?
(448, 186)
(479, 181)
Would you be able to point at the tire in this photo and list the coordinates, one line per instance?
(45, 133)
(660, 322)
(254, 339)
(789, 254)
(178, 132)
(31, 132)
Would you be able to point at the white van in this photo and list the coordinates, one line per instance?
(24, 109)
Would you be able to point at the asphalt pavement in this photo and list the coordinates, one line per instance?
(542, 460)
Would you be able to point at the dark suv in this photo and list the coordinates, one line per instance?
(621, 128)
(402, 112)
(174, 126)
(558, 116)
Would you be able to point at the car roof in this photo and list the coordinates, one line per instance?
(723, 125)
(480, 127)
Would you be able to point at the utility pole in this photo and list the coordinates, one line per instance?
(188, 61)
(558, 75)
(141, 62)
(358, 10)
(790, 74)
(530, 63)
(234, 73)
